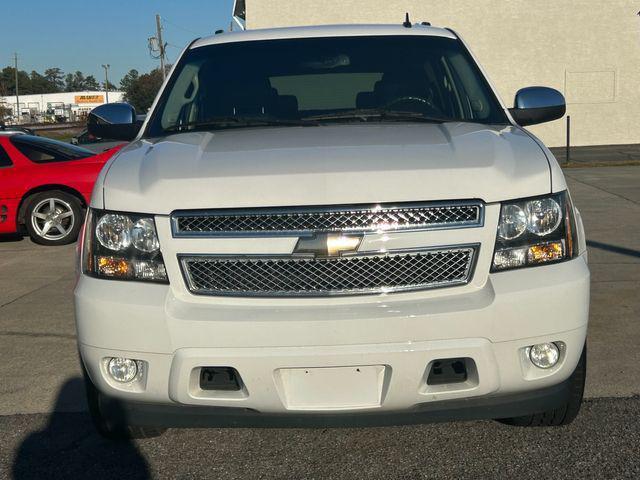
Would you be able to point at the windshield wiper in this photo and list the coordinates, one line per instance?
(236, 122)
(364, 114)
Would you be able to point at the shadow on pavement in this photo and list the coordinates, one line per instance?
(11, 237)
(69, 447)
(613, 248)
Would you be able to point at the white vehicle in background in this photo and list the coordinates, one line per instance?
(331, 225)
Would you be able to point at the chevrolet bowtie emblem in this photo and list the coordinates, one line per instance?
(328, 244)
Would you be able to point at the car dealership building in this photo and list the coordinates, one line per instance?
(589, 50)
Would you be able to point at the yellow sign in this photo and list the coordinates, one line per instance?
(89, 99)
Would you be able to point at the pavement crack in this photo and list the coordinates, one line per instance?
(38, 335)
(602, 189)
(20, 297)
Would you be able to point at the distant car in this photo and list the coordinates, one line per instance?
(44, 186)
(16, 129)
(93, 143)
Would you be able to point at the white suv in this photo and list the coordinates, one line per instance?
(329, 226)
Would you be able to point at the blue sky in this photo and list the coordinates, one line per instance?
(81, 35)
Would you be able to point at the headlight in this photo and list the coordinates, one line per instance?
(535, 231)
(122, 246)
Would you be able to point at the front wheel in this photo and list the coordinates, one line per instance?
(564, 414)
(112, 425)
(53, 218)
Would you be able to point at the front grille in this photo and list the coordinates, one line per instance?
(308, 276)
(355, 218)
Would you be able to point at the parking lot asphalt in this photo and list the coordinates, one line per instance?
(46, 433)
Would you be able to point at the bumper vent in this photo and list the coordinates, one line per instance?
(299, 220)
(308, 276)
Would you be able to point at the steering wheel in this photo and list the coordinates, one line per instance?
(409, 98)
(426, 104)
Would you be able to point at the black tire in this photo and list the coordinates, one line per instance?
(565, 414)
(113, 426)
(65, 229)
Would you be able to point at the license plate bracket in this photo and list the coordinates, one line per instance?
(331, 388)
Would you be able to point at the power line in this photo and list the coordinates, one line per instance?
(180, 27)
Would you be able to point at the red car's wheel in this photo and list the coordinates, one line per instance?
(53, 218)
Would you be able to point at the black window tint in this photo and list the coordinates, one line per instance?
(300, 78)
(5, 161)
(43, 150)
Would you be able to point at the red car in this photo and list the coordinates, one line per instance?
(45, 185)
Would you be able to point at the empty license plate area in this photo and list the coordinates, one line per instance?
(331, 388)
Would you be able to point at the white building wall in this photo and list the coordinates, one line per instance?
(587, 49)
(79, 101)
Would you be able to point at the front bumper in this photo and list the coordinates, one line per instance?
(480, 408)
(8, 215)
(404, 334)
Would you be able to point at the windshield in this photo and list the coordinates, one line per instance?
(43, 150)
(316, 80)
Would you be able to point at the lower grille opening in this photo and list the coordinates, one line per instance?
(220, 378)
(449, 370)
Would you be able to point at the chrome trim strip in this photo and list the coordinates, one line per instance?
(474, 250)
(177, 214)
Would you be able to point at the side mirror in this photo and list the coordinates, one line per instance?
(114, 121)
(534, 105)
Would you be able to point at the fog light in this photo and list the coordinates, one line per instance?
(122, 370)
(544, 355)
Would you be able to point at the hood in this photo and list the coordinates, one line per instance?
(323, 165)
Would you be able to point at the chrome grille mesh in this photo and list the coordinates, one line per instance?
(361, 218)
(293, 276)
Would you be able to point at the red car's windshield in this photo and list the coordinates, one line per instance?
(40, 150)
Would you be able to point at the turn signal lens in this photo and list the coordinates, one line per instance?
(114, 267)
(545, 252)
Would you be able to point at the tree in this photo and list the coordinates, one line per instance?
(129, 79)
(55, 77)
(141, 91)
(111, 86)
(8, 81)
(90, 83)
(39, 84)
(75, 82)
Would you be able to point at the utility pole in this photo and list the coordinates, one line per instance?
(106, 80)
(161, 46)
(15, 59)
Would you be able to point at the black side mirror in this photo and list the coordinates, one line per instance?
(115, 121)
(534, 105)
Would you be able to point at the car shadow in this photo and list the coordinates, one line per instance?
(69, 447)
(11, 237)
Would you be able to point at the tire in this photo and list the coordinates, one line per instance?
(53, 218)
(113, 426)
(565, 414)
